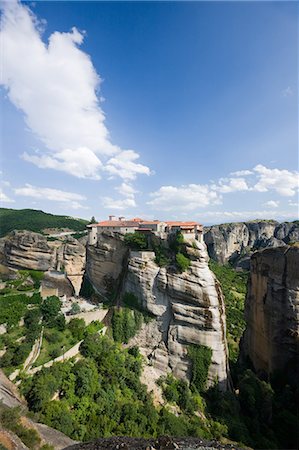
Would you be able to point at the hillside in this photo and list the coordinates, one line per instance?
(35, 220)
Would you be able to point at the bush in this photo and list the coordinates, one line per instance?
(77, 328)
(182, 261)
(75, 309)
(136, 241)
(201, 359)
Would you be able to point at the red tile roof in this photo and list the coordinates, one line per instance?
(117, 223)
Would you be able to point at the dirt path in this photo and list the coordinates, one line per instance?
(89, 316)
(34, 354)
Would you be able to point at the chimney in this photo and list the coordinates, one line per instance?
(121, 218)
(112, 218)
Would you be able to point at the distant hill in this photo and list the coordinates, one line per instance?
(35, 220)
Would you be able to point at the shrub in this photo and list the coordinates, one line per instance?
(201, 359)
(77, 328)
(136, 241)
(75, 309)
(182, 261)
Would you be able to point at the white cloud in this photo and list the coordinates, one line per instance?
(241, 173)
(82, 162)
(194, 196)
(4, 198)
(284, 182)
(124, 166)
(272, 204)
(50, 194)
(226, 185)
(184, 198)
(55, 85)
(291, 203)
(120, 205)
(127, 190)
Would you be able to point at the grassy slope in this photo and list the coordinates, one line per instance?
(34, 220)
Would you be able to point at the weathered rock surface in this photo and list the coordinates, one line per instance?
(161, 443)
(105, 263)
(189, 308)
(28, 250)
(236, 242)
(271, 338)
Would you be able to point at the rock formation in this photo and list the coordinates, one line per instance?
(105, 263)
(236, 242)
(188, 306)
(271, 338)
(28, 250)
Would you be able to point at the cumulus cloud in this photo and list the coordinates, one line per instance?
(183, 198)
(194, 196)
(226, 185)
(119, 205)
(241, 173)
(127, 190)
(124, 166)
(272, 204)
(50, 194)
(284, 182)
(82, 162)
(55, 85)
(4, 198)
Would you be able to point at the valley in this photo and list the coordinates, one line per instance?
(122, 337)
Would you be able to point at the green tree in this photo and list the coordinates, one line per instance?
(77, 328)
(50, 309)
(136, 241)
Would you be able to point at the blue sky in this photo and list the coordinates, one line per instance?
(157, 109)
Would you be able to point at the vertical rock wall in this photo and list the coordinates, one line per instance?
(271, 338)
(189, 308)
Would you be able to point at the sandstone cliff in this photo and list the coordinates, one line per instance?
(271, 338)
(105, 263)
(188, 307)
(236, 242)
(28, 250)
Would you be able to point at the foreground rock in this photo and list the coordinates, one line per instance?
(162, 443)
(28, 250)
(236, 242)
(11, 398)
(188, 307)
(271, 338)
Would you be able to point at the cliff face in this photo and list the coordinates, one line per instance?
(105, 263)
(28, 250)
(236, 242)
(188, 307)
(271, 338)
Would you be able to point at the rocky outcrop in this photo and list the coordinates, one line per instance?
(189, 308)
(161, 443)
(271, 338)
(11, 398)
(236, 242)
(105, 264)
(28, 250)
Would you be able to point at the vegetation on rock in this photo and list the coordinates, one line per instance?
(233, 284)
